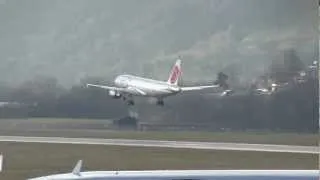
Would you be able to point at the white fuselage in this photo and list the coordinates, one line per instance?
(146, 87)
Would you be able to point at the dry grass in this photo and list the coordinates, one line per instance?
(24, 160)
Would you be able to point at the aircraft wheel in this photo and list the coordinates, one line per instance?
(130, 102)
(160, 103)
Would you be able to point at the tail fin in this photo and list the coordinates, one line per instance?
(175, 73)
(77, 169)
(1, 162)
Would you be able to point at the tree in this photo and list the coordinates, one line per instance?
(285, 69)
(292, 62)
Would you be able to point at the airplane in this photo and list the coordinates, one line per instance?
(127, 86)
(77, 174)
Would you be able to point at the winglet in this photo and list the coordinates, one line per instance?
(77, 169)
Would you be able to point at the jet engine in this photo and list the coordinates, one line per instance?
(227, 92)
(114, 94)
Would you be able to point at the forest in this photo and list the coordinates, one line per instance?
(294, 108)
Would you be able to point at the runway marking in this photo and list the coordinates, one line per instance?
(166, 144)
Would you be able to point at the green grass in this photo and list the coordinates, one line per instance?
(37, 127)
(24, 160)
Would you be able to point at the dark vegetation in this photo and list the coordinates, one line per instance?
(295, 108)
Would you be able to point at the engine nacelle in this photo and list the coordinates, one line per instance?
(227, 92)
(114, 94)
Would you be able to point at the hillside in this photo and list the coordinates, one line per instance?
(70, 40)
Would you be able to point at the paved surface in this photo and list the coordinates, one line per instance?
(167, 144)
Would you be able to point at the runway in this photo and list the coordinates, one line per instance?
(166, 144)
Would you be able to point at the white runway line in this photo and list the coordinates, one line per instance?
(166, 144)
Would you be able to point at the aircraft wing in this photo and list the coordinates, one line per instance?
(128, 90)
(106, 87)
(194, 88)
(137, 91)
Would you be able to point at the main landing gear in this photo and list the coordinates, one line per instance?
(129, 100)
(160, 102)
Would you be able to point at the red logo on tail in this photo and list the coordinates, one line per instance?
(174, 75)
